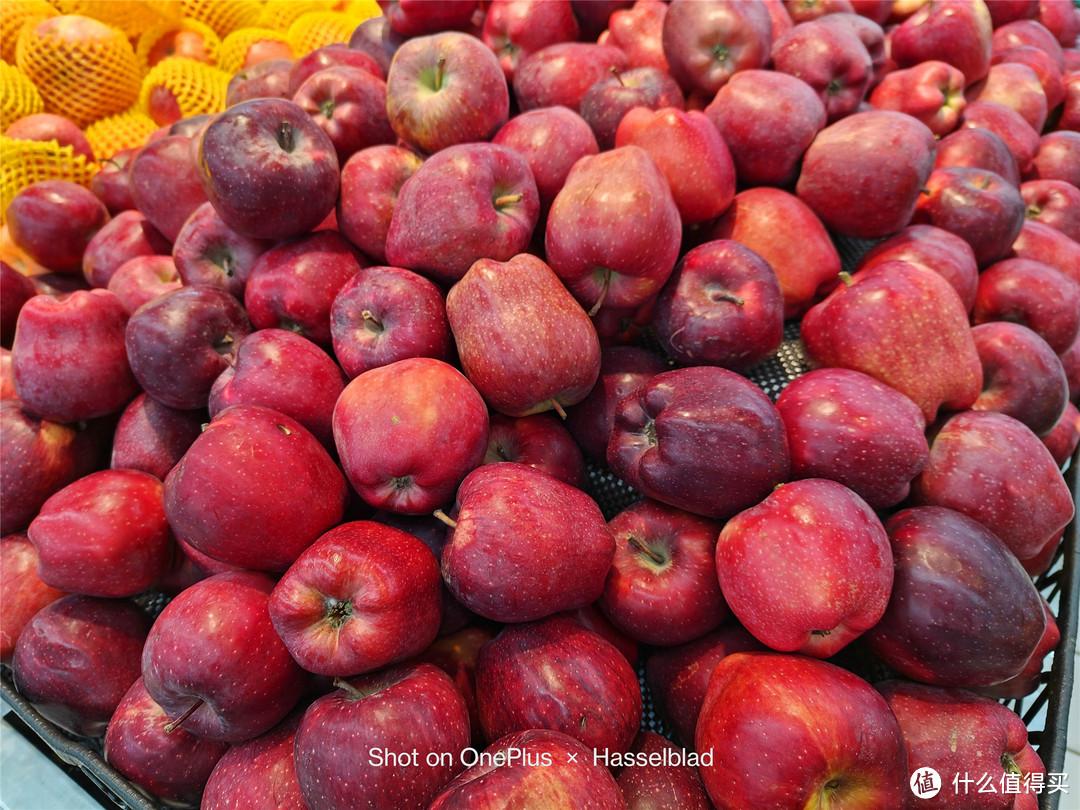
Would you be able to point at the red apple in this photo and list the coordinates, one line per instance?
(52, 221)
(1046, 69)
(51, 127)
(513, 29)
(654, 777)
(266, 79)
(125, 236)
(609, 99)
(559, 74)
(15, 290)
(955, 31)
(977, 148)
(662, 587)
(143, 279)
(763, 715)
(335, 54)
(417, 17)
(209, 252)
(259, 773)
(1019, 136)
(455, 654)
(349, 103)
(112, 182)
(833, 61)
(1016, 86)
(1043, 243)
(214, 662)
(1030, 676)
(525, 545)
(1063, 440)
(152, 437)
(370, 183)
(638, 32)
(539, 440)
(1028, 32)
(1055, 203)
(409, 432)
(400, 733)
(931, 91)
(1056, 157)
(22, 594)
(165, 183)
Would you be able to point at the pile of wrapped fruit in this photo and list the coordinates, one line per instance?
(323, 323)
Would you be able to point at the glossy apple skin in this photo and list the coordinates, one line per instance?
(52, 221)
(1019, 136)
(1017, 87)
(956, 31)
(1022, 376)
(349, 104)
(180, 342)
(416, 17)
(931, 91)
(977, 148)
(1057, 157)
(259, 773)
(662, 587)
(604, 254)
(68, 359)
(1027, 32)
(409, 432)
(455, 654)
(867, 144)
(994, 469)
(469, 201)
(825, 557)
(1002, 616)
(376, 38)
(1063, 440)
(259, 151)
(385, 314)
(554, 534)
(214, 643)
(23, 593)
(281, 370)
(1048, 245)
(638, 31)
(153, 437)
(1055, 203)
(125, 236)
(64, 641)
(371, 181)
(277, 507)
(15, 290)
(608, 100)
(875, 325)
(1046, 70)
(784, 231)
(51, 127)
(766, 141)
(669, 135)
(622, 369)
(1030, 676)
(592, 618)
(39, 457)
(977, 205)
(266, 79)
(362, 596)
(172, 766)
(671, 787)
(701, 438)
(112, 183)
(560, 74)
(539, 440)
(165, 183)
(771, 709)
(104, 535)
(209, 252)
(493, 306)
(412, 707)
(563, 677)
(722, 306)
(678, 677)
(143, 279)
(515, 29)
(445, 88)
(935, 248)
(332, 55)
(550, 768)
(705, 43)
(848, 427)
(957, 733)
(834, 62)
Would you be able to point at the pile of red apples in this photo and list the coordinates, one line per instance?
(328, 369)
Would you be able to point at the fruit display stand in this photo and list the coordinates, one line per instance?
(1045, 712)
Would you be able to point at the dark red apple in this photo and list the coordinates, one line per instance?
(143, 279)
(955, 31)
(370, 183)
(333, 55)
(46, 127)
(559, 74)
(1056, 157)
(125, 236)
(1019, 136)
(609, 99)
(152, 437)
(52, 221)
(416, 17)
(165, 183)
(1031, 676)
(638, 31)
(931, 91)
(1016, 86)
(1055, 203)
(266, 79)
(514, 29)
(349, 104)
(539, 440)
(1046, 244)
(15, 290)
(977, 148)
(208, 252)
(655, 778)
(833, 61)
(1063, 440)
(455, 654)
(112, 182)
(259, 773)
(22, 593)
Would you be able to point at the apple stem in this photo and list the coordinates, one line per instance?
(618, 76)
(638, 544)
(1009, 764)
(175, 724)
(845, 277)
(558, 408)
(822, 633)
(354, 693)
(1033, 211)
(603, 293)
(370, 319)
(285, 137)
(729, 297)
(508, 199)
(924, 190)
(439, 72)
(445, 518)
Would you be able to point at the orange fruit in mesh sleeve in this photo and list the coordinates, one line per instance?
(319, 28)
(224, 16)
(83, 69)
(178, 87)
(248, 46)
(189, 38)
(14, 14)
(132, 16)
(23, 163)
(18, 96)
(125, 130)
(280, 14)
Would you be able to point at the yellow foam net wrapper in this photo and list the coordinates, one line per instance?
(197, 88)
(170, 28)
(18, 96)
(224, 16)
(234, 48)
(83, 69)
(278, 15)
(130, 16)
(13, 15)
(319, 28)
(125, 130)
(23, 163)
